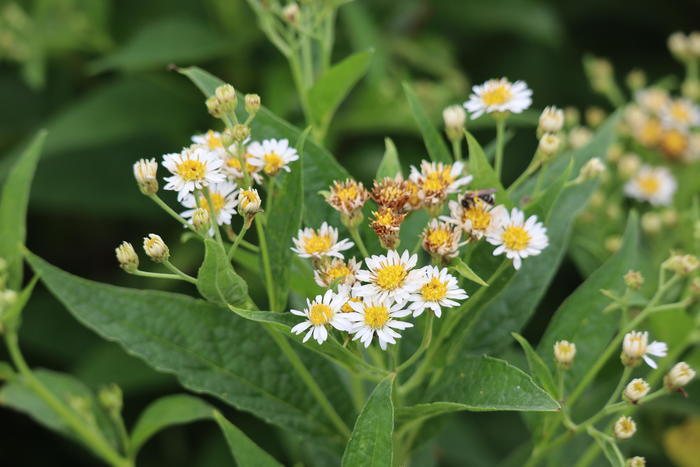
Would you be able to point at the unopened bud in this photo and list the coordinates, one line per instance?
(214, 107)
(564, 353)
(240, 132)
(252, 103)
(155, 248)
(624, 428)
(551, 120)
(592, 169)
(549, 144)
(111, 398)
(683, 265)
(679, 46)
(249, 201)
(145, 173)
(636, 79)
(651, 223)
(636, 461)
(613, 243)
(629, 165)
(83, 407)
(680, 375)
(454, 117)
(579, 137)
(127, 257)
(226, 95)
(201, 220)
(636, 390)
(634, 279)
(694, 44)
(291, 13)
(595, 116)
(613, 211)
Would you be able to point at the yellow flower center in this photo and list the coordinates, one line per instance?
(434, 290)
(674, 143)
(516, 238)
(216, 199)
(436, 181)
(439, 237)
(234, 163)
(626, 426)
(191, 170)
(680, 113)
(337, 271)
(320, 314)
(391, 277)
(479, 217)
(248, 197)
(651, 132)
(384, 217)
(347, 308)
(347, 193)
(639, 386)
(376, 316)
(649, 184)
(315, 243)
(273, 163)
(212, 140)
(565, 349)
(497, 96)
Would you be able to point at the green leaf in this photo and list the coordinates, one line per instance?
(465, 271)
(10, 318)
(390, 165)
(484, 175)
(580, 319)
(207, 347)
(320, 168)
(165, 412)
(165, 41)
(329, 91)
(283, 222)
(218, 282)
(543, 205)
(13, 209)
(481, 384)
(538, 368)
(611, 451)
(371, 441)
(434, 142)
(245, 452)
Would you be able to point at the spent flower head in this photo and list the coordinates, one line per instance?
(679, 376)
(338, 271)
(442, 240)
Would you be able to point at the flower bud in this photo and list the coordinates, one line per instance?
(592, 169)
(454, 117)
(252, 103)
(155, 248)
(291, 13)
(636, 79)
(613, 211)
(579, 137)
(613, 243)
(551, 120)
(651, 223)
(683, 265)
(624, 428)
(214, 107)
(680, 375)
(636, 390)
(8, 297)
(629, 165)
(564, 353)
(634, 279)
(145, 171)
(669, 217)
(226, 95)
(595, 116)
(636, 461)
(249, 201)
(201, 220)
(549, 144)
(679, 46)
(111, 398)
(694, 44)
(240, 132)
(127, 257)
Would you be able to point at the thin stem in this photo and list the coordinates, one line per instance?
(623, 379)
(182, 275)
(236, 242)
(427, 337)
(500, 141)
(170, 211)
(457, 148)
(266, 264)
(540, 180)
(157, 275)
(534, 165)
(355, 234)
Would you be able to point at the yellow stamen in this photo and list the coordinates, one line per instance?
(216, 198)
(320, 314)
(497, 95)
(248, 197)
(191, 170)
(479, 217)
(439, 237)
(376, 316)
(213, 141)
(391, 277)
(347, 308)
(434, 291)
(347, 193)
(516, 238)
(273, 163)
(649, 184)
(337, 271)
(314, 243)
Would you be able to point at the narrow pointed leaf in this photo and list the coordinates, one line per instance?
(538, 367)
(243, 449)
(390, 165)
(465, 271)
(434, 142)
(484, 175)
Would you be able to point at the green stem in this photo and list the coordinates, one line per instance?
(355, 234)
(540, 180)
(457, 149)
(92, 438)
(427, 337)
(620, 384)
(157, 275)
(182, 275)
(500, 141)
(170, 211)
(269, 285)
(236, 242)
(308, 379)
(534, 165)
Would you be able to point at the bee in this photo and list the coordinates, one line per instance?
(485, 196)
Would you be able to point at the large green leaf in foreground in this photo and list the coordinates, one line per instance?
(210, 349)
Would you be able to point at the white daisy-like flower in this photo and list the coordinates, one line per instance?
(437, 289)
(436, 180)
(655, 185)
(498, 95)
(376, 316)
(224, 197)
(519, 238)
(635, 346)
(318, 243)
(233, 168)
(320, 313)
(479, 219)
(193, 169)
(652, 99)
(680, 114)
(272, 155)
(389, 277)
(211, 140)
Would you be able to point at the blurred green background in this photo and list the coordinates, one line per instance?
(95, 74)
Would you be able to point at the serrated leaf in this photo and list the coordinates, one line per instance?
(481, 384)
(218, 282)
(434, 142)
(390, 165)
(283, 222)
(244, 451)
(320, 168)
(538, 368)
(484, 175)
(465, 271)
(371, 441)
(207, 347)
(13, 209)
(166, 412)
(330, 89)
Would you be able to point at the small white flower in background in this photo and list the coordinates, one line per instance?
(636, 461)
(454, 116)
(655, 185)
(579, 137)
(680, 375)
(337, 270)
(652, 99)
(635, 346)
(498, 95)
(624, 428)
(155, 248)
(436, 180)
(680, 114)
(478, 220)
(376, 316)
(249, 201)
(211, 140)
(592, 169)
(629, 165)
(436, 289)
(272, 155)
(320, 313)
(319, 243)
(127, 257)
(564, 353)
(224, 198)
(551, 120)
(519, 238)
(636, 390)
(145, 173)
(389, 277)
(193, 169)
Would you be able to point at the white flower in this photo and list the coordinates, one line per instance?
(519, 238)
(680, 114)
(635, 346)
(478, 220)
(224, 197)
(436, 289)
(653, 184)
(389, 277)
(233, 168)
(454, 117)
(376, 316)
(272, 155)
(636, 390)
(317, 243)
(680, 375)
(624, 428)
(498, 95)
(210, 140)
(321, 312)
(193, 169)
(652, 99)
(436, 180)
